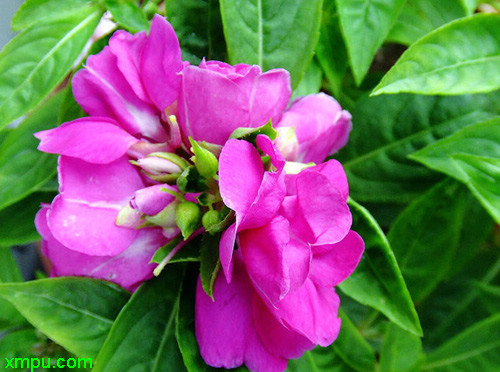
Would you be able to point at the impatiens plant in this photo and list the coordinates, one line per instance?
(202, 201)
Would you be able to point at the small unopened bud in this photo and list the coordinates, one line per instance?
(210, 219)
(287, 142)
(129, 217)
(158, 166)
(206, 162)
(187, 217)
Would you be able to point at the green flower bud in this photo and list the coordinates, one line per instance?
(210, 219)
(187, 217)
(206, 162)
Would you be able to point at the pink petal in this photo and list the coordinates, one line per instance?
(112, 184)
(278, 339)
(128, 50)
(83, 215)
(152, 200)
(225, 328)
(240, 174)
(102, 90)
(312, 311)
(160, 63)
(321, 126)
(95, 140)
(226, 248)
(333, 263)
(127, 269)
(324, 207)
(263, 250)
(334, 171)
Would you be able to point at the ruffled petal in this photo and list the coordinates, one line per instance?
(127, 269)
(262, 250)
(95, 140)
(333, 263)
(312, 311)
(160, 63)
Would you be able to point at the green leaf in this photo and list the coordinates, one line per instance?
(184, 331)
(401, 351)
(321, 359)
(41, 11)
(419, 17)
(365, 25)
(24, 169)
(69, 109)
(311, 81)
(477, 348)
(77, 313)
(470, 5)
(150, 317)
(128, 14)
(426, 235)
(331, 51)
(377, 281)
(39, 58)
(472, 156)
(9, 273)
(198, 26)
(250, 134)
(18, 225)
(209, 262)
(454, 59)
(354, 350)
(386, 129)
(272, 34)
(18, 344)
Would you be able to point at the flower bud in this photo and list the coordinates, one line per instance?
(206, 162)
(187, 217)
(158, 166)
(210, 219)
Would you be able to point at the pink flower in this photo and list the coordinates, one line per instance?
(128, 89)
(294, 246)
(320, 125)
(217, 98)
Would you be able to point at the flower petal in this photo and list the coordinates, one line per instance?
(262, 250)
(333, 263)
(127, 269)
(312, 311)
(226, 248)
(102, 90)
(160, 63)
(225, 329)
(95, 140)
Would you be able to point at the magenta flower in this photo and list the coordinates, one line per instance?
(314, 127)
(217, 98)
(128, 89)
(294, 246)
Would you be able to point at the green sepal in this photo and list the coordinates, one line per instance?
(250, 134)
(191, 180)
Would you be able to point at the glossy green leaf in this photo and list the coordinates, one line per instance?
(209, 262)
(18, 226)
(77, 313)
(331, 51)
(311, 81)
(40, 11)
(472, 156)
(143, 336)
(69, 109)
(386, 129)
(475, 349)
(452, 60)
(426, 235)
(24, 169)
(377, 281)
(39, 58)
(365, 25)
(9, 273)
(419, 17)
(128, 14)
(272, 34)
(354, 350)
(469, 5)
(198, 26)
(321, 359)
(401, 351)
